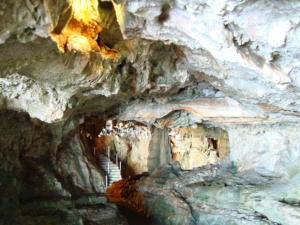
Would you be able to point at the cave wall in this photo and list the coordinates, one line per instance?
(47, 177)
(252, 185)
(223, 64)
(143, 148)
(160, 149)
(196, 147)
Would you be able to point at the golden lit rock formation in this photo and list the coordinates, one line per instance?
(196, 147)
(81, 31)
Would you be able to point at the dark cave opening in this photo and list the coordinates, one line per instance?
(135, 218)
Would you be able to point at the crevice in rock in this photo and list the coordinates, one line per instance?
(291, 202)
(180, 196)
(164, 13)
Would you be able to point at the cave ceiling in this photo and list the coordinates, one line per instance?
(198, 103)
(218, 60)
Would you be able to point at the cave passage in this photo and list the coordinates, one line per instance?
(125, 149)
(128, 152)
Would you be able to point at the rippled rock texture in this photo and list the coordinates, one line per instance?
(247, 68)
(222, 75)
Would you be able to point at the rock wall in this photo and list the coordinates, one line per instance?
(127, 143)
(195, 147)
(252, 185)
(131, 143)
(141, 149)
(176, 66)
(47, 177)
(160, 149)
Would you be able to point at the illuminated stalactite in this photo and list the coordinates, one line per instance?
(81, 31)
(85, 10)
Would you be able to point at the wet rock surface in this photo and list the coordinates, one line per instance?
(47, 177)
(176, 65)
(210, 195)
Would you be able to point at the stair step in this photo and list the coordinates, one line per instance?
(114, 173)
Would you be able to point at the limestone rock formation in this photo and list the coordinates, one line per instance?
(130, 142)
(196, 147)
(209, 90)
(257, 186)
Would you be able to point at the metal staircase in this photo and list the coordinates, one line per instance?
(113, 172)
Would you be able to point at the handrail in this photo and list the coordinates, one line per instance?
(117, 162)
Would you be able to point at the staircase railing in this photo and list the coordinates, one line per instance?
(117, 162)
